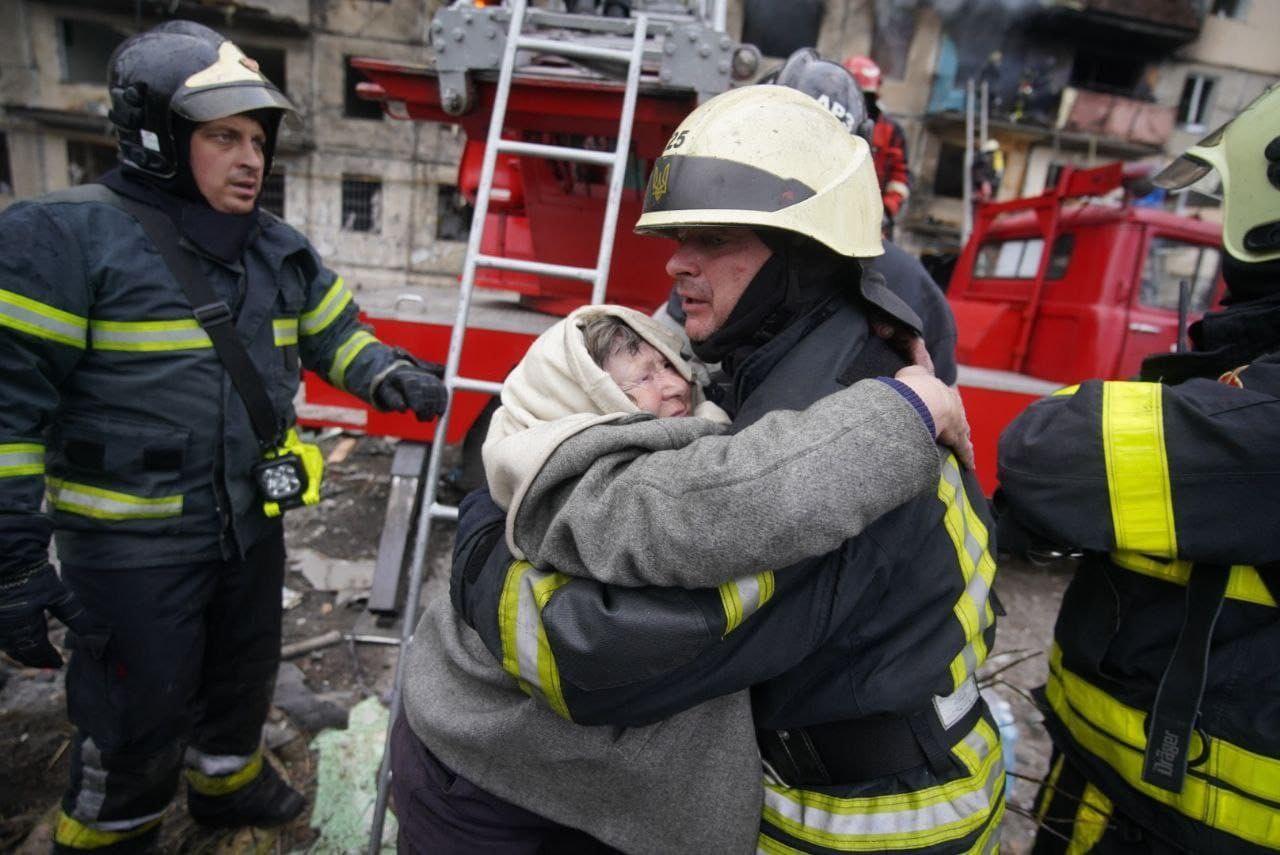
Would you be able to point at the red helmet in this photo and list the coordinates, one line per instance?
(865, 71)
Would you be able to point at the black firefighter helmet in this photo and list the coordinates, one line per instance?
(830, 85)
(184, 71)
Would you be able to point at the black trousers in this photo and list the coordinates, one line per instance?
(442, 813)
(1075, 816)
(191, 662)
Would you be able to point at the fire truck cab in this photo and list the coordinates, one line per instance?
(1070, 285)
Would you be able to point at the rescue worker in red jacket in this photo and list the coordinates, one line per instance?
(1163, 697)
(888, 142)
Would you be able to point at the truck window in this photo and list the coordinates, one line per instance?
(1169, 261)
(1019, 258)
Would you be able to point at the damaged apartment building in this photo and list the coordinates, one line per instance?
(376, 196)
(1069, 82)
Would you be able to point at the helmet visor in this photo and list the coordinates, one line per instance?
(218, 102)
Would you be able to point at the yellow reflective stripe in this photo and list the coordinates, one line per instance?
(221, 785)
(526, 651)
(972, 542)
(350, 348)
(1137, 468)
(285, 331)
(75, 834)
(1066, 391)
(103, 504)
(1112, 731)
(768, 846)
(327, 310)
(1049, 789)
(43, 321)
(742, 598)
(21, 458)
(1092, 817)
(1244, 582)
(148, 336)
(900, 821)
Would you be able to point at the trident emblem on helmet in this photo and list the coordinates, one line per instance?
(661, 177)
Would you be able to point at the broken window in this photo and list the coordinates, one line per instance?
(272, 196)
(1193, 106)
(6, 176)
(949, 178)
(86, 161)
(86, 47)
(355, 107)
(271, 62)
(1107, 71)
(778, 29)
(453, 214)
(361, 203)
(1236, 9)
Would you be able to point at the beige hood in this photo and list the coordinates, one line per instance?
(557, 391)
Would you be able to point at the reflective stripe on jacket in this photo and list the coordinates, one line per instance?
(114, 391)
(884, 624)
(1150, 480)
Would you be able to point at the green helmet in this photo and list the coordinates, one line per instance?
(767, 157)
(1246, 153)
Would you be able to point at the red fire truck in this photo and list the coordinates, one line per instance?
(1075, 283)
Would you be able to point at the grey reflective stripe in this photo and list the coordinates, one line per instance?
(526, 652)
(93, 783)
(41, 320)
(21, 458)
(742, 598)
(216, 765)
(148, 336)
(285, 331)
(947, 811)
(101, 504)
(318, 319)
(971, 541)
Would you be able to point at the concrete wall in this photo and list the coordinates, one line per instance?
(411, 159)
(1247, 44)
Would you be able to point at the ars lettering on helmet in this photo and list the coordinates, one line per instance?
(838, 110)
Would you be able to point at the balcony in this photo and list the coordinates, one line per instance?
(1172, 22)
(1114, 117)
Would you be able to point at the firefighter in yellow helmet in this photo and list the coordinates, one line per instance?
(1163, 697)
(860, 658)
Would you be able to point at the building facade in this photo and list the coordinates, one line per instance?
(1069, 82)
(376, 196)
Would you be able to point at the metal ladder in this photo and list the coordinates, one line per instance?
(597, 276)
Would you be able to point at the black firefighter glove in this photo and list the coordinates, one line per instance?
(413, 384)
(25, 596)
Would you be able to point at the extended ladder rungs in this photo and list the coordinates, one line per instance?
(489, 387)
(557, 152)
(564, 271)
(563, 48)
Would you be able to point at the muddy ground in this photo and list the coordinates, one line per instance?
(34, 734)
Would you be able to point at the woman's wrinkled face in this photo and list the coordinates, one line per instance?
(650, 381)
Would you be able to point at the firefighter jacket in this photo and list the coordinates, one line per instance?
(889, 153)
(1169, 490)
(894, 621)
(113, 401)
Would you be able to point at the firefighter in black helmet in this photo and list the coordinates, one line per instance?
(1163, 698)
(164, 462)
